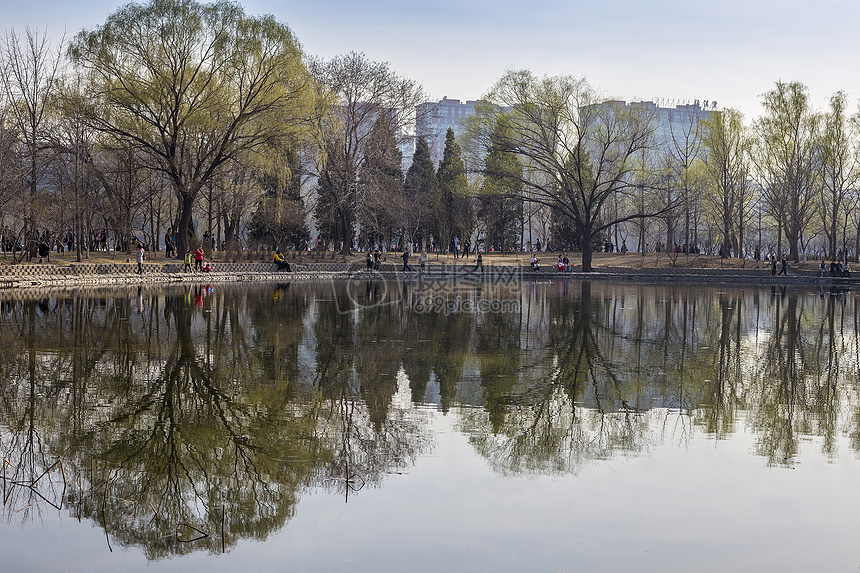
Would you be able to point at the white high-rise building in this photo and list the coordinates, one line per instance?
(434, 119)
(672, 124)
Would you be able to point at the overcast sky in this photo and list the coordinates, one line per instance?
(730, 51)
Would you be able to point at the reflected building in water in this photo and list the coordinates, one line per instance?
(220, 408)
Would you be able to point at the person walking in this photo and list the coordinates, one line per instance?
(423, 259)
(773, 264)
(784, 269)
(169, 248)
(189, 257)
(140, 253)
(405, 257)
(479, 263)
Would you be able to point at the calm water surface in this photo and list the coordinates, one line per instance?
(470, 426)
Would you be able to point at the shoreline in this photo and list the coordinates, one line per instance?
(102, 270)
(245, 273)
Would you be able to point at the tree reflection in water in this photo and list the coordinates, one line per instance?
(184, 411)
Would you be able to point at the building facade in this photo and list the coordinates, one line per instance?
(435, 118)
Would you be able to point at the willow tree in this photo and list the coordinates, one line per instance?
(788, 158)
(578, 152)
(727, 169)
(839, 164)
(194, 86)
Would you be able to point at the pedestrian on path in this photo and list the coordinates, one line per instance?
(140, 252)
(784, 269)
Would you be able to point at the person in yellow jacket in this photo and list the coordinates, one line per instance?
(278, 259)
(189, 260)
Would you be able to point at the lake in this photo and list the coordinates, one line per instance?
(431, 425)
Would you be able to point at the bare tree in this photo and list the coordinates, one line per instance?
(30, 74)
(578, 151)
(363, 91)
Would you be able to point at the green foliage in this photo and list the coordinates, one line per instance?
(364, 91)
(500, 199)
(452, 206)
(380, 184)
(787, 159)
(558, 125)
(195, 86)
(727, 170)
(280, 216)
(419, 190)
(335, 209)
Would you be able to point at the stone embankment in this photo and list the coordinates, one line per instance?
(117, 273)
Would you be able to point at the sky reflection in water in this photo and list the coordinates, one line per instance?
(367, 426)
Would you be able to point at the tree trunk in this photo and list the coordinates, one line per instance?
(185, 211)
(587, 250)
(345, 235)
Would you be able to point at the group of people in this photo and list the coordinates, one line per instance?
(460, 248)
(194, 262)
(836, 269)
(562, 265)
(783, 270)
(373, 261)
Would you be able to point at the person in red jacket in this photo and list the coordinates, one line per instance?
(198, 259)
